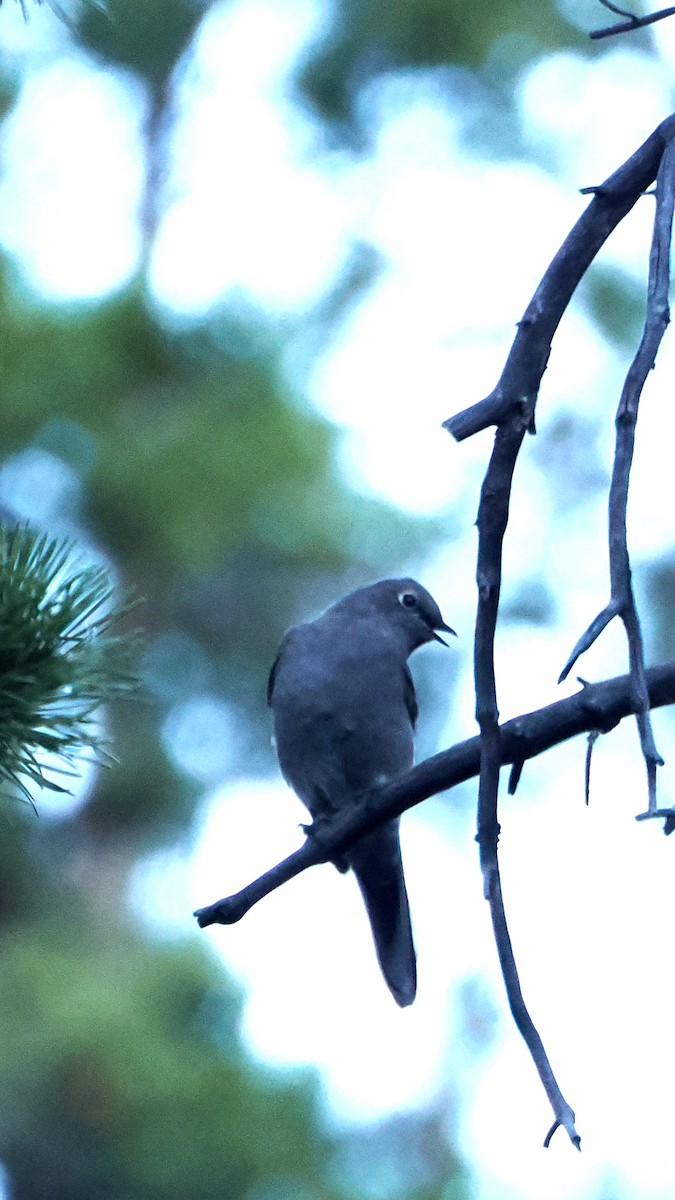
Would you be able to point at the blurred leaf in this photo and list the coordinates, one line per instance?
(197, 445)
(616, 303)
(533, 603)
(109, 1047)
(569, 447)
(657, 582)
(217, 491)
(368, 38)
(128, 1058)
(148, 37)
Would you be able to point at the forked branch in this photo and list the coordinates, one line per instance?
(632, 21)
(622, 598)
(511, 406)
(529, 354)
(597, 707)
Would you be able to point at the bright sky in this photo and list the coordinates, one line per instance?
(589, 893)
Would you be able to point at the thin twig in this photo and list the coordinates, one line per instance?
(612, 200)
(563, 1114)
(632, 22)
(597, 625)
(493, 514)
(592, 739)
(622, 598)
(615, 8)
(514, 776)
(599, 706)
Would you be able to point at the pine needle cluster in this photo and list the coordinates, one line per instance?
(59, 659)
(58, 8)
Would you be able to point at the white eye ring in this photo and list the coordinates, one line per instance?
(407, 600)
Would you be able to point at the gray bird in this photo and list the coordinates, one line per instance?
(344, 714)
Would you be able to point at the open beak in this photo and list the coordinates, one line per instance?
(446, 629)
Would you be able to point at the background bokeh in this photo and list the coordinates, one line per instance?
(254, 252)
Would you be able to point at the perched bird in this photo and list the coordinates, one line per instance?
(344, 714)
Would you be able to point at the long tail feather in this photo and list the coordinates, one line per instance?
(376, 862)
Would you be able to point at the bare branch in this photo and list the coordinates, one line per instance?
(597, 706)
(494, 409)
(493, 515)
(632, 22)
(620, 12)
(521, 378)
(588, 637)
(564, 1115)
(514, 776)
(511, 405)
(592, 739)
(622, 599)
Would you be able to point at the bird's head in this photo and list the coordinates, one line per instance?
(409, 609)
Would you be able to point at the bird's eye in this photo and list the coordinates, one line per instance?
(408, 600)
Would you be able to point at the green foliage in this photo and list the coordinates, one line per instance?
(246, 466)
(123, 1075)
(77, 360)
(616, 303)
(215, 488)
(59, 660)
(197, 446)
(56, 7)
(127, 1055)
(368, 38)
(656, 580)
(146, 800)
(147, 38)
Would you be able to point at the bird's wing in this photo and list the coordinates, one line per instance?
(275, 665)
(410, 696)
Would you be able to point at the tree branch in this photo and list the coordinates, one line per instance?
(622, 598)
(632, 21)
(597, 707)
(493, 515)
(511, 405)
(521, 378)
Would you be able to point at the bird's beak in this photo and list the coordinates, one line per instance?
(446, 629)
